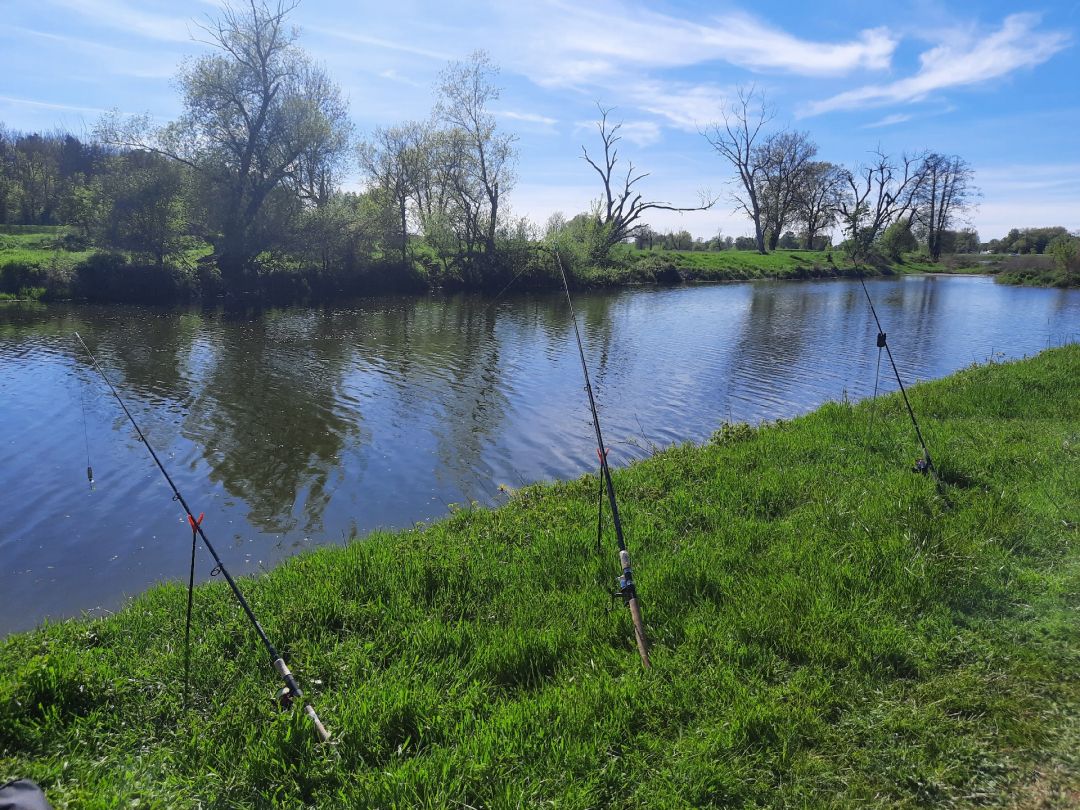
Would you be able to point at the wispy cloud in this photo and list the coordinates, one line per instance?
(888, 121)
(684, 105)
(970, 60)
(131, 18)
(46, 105)
(577, 43)
(532, 118)
(378, 42)
(117, 61)
(642, 133)
(392, 75)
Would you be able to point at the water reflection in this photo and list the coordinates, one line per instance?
(296, 427)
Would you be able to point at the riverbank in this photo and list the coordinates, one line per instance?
(826, 630)
(55, 263)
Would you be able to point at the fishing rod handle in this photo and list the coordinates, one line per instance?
(639, 632)
(295, 692)
(635, 609)
(320, 729)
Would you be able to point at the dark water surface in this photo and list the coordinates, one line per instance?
(297, 427)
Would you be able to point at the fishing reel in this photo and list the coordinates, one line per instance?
(922, 466)
(625, 591)
(285, 698)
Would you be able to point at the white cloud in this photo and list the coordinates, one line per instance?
(531, 118)
(378, 42)
(642, 133)
(131, 18)
(117, 61)
(392, 75)
(888, 121)
(578, 44)
(972, 59)
(45, 105)
(686, 106)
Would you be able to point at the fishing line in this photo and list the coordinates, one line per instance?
(292, 690)
(627, 589)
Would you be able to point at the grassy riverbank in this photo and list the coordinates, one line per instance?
(52, 263)
(827, 630)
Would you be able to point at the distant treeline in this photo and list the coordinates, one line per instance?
(242, 194)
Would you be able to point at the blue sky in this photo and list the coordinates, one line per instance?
(996, 82)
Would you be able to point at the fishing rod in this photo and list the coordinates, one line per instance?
(627, 589)
(926, 463)
(291, 690)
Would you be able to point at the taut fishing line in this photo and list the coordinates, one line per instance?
(291, 690)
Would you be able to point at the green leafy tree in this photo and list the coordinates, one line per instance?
(261, 124)
(1066, 252)
(139, 206)
(898, 240)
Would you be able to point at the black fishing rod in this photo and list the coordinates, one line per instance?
(926, 464)
(292, 690)
(627, 589)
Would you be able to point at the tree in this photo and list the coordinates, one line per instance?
(784, 159)
(1065, 249)
(735, 141)
(945, 191)
(898, 240)
(818, 200)
(967, 241)
(876, 194)
(477, 158)
(621, 204)
(139, 206)
(37, 179)
(261, 125)
(393, 161)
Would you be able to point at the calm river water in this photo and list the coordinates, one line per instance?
(297, 427)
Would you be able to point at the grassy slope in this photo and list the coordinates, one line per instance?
(827, 631)
(39, 247)
(732, 265)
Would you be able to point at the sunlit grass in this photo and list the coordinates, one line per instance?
(827, 630)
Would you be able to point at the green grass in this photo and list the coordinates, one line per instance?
(742, 265)
(39, 246)
(827, 631)
(738, 265)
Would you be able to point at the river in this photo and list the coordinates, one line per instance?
(292, 428)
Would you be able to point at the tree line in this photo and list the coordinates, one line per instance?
(246, 183)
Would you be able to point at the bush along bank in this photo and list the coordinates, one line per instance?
(827, 630)
(47, 271)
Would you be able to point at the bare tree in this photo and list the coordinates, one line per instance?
(783, 158)
(735, 140)
(945, 192)
(819, 198)
(876, 194)
(621, 205)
